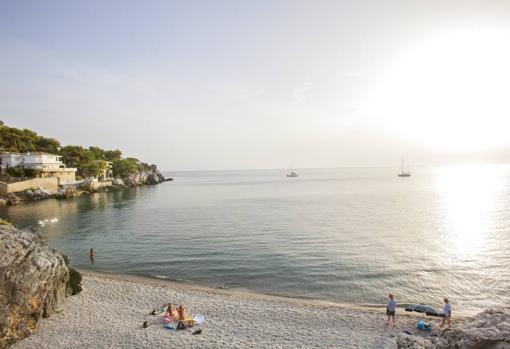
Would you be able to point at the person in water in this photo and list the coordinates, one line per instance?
(447, 311)
(92, 254)
(391, 307)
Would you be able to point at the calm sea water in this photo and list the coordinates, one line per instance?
(344, 235)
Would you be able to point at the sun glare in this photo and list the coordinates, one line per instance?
(450, 93)
(469, 196)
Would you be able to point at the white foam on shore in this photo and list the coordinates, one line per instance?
(111, 309)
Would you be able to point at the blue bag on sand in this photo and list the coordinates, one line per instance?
(423, 326)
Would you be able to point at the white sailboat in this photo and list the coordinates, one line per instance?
(404, 173)
(291, 172)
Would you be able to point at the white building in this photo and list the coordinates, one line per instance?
(49, 165)
(107, 174)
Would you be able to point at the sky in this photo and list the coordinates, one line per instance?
(216, 85)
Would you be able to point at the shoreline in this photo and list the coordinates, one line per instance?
(306, 301)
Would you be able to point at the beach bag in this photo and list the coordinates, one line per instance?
(423, 326)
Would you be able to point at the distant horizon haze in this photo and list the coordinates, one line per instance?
(229, 85)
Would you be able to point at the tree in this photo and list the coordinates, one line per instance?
(76, 156)
(98, 153)
(16, 171)
(93, 168)
(125, 167)
(112, 155)
(48, 145)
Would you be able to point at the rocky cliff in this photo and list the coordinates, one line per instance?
(488, 330)
(34, 280)
(148, 177)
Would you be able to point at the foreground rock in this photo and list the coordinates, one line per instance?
(34, 280)
(490, 330)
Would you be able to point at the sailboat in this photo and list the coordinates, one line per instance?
(402, 172)
(291, 172)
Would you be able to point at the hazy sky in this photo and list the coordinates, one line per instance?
(255, 84)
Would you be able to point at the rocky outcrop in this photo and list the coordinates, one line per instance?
(118, 182)
(38, 194)
(34, 279)
(89, 185)
(66, 193)
(490, 330)
(148, 177)
(13, 199)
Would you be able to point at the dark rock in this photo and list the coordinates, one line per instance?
(33, 281)
(489, 329)
(74, 286)
(12, 199)
(152, 179)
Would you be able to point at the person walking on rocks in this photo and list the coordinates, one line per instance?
(447, 311)
(391, 307)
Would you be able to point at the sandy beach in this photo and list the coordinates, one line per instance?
(111, 309)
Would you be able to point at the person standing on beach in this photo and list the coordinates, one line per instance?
(391, 307)
(447, 311)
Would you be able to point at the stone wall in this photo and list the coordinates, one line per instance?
(63, 176)
(46, 183)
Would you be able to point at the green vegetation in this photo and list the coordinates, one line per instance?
(21, 141)
(90, 162)
(20, 171)
(4, 222)
(123, 167)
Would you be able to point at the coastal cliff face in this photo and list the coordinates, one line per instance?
(34, 280)
(149, 177)
(489, 329)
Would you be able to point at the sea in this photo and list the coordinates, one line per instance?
(349, 235)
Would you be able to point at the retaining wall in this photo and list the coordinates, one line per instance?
(47, 183)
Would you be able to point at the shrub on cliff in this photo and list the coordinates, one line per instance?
(125, 167)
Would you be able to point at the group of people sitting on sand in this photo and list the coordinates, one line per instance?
(391, 308)
(173, 317)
